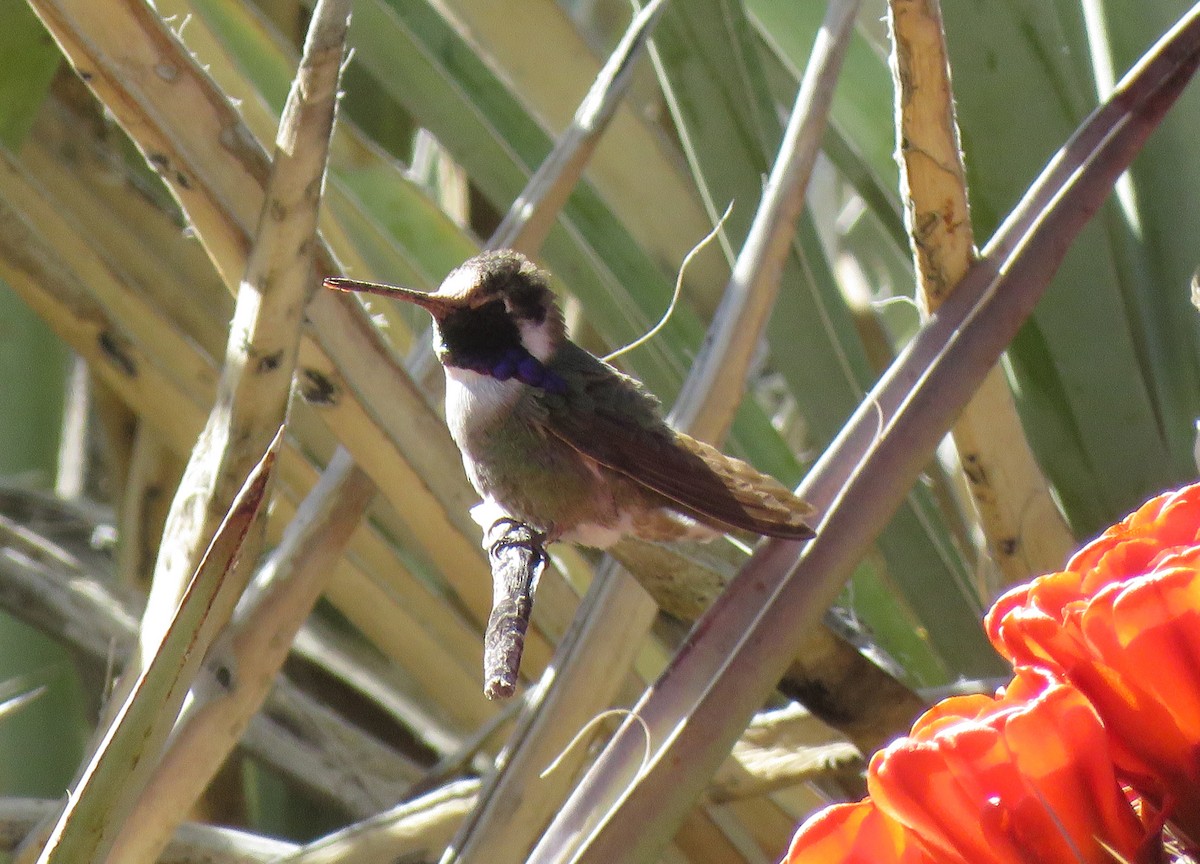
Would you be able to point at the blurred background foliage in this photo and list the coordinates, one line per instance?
(449, 107)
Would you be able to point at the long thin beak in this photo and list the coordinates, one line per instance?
(436, 306)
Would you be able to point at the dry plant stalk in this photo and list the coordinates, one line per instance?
(1025, 530)
(255, 386)
(253, 396)
(717, 382)
(264, 336)
(102, 798)
(244, 662)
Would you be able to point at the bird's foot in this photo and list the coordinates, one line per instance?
(507, 532)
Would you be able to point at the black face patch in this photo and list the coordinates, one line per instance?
(486, 340)
(479, 337)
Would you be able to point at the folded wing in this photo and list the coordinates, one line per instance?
(612, 420)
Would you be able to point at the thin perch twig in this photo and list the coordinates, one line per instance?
(517, 559)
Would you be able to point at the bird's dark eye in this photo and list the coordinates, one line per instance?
(525, 300)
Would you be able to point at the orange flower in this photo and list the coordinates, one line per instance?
(1122, 624)
(1022, 778)
(855, 834)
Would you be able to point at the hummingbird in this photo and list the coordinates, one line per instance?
(556, 438)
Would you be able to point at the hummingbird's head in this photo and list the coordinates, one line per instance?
(490, 314)
(499, 300)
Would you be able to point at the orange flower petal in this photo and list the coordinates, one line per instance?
(1060, 749)
(855, 834)
(1170, 520)
(1021, 778)
(1147, 633)
(1025, 623)
(1122, 623)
